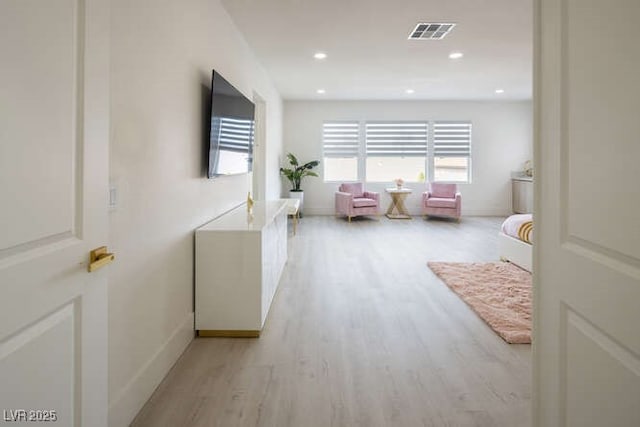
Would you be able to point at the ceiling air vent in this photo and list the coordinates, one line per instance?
(431, 31)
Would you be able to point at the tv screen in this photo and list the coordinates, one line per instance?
(232, 130)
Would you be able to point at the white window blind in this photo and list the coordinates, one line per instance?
(340, 139)
(396, 139)
(234, 134)
(452, 139)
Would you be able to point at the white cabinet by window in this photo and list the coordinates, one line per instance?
(522, 194)
(239, 261)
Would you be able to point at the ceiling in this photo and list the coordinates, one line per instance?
(369, 56)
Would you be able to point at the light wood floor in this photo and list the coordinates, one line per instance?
(361, 333)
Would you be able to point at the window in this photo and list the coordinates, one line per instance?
(340, 143)
(452, 151)
(414, 151)
(396, 150)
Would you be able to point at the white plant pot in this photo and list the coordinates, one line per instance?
(300, 196)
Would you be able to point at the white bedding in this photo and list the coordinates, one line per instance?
(511, 225)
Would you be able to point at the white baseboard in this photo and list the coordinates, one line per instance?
(486, 212)
(319, 211)
(470, 212)
(135, 394)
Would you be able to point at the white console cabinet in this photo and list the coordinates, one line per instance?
(239, 261)
(522, 194)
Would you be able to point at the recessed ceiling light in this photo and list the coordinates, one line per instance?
(320, 91)
(456, 55)
(320, 55)
(410, 91)
(499, 90)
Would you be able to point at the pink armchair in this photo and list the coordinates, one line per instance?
(352, 200)
(442, 200)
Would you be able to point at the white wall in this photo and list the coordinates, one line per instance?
(163, 52)
(502, 142)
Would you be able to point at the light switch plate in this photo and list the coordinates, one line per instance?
(113, 197)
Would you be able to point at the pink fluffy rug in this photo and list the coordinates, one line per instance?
(499, 292)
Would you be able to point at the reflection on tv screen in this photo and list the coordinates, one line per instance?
(232, 130)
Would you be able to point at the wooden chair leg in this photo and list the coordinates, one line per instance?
(349, 218)
(295, 222)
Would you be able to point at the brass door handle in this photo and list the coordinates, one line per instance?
(99, 257)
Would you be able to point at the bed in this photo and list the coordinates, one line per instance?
(515, 239)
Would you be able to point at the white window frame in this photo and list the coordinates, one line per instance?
(358, 151)
(430, 154)
(391, 124)
(433, 151)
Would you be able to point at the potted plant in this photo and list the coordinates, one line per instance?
(295, 174)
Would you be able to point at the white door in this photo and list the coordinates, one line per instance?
(259, 175)
(54, 126)
(587, 214)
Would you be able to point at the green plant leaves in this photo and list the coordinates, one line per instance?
(292, 159)
(295, 174)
